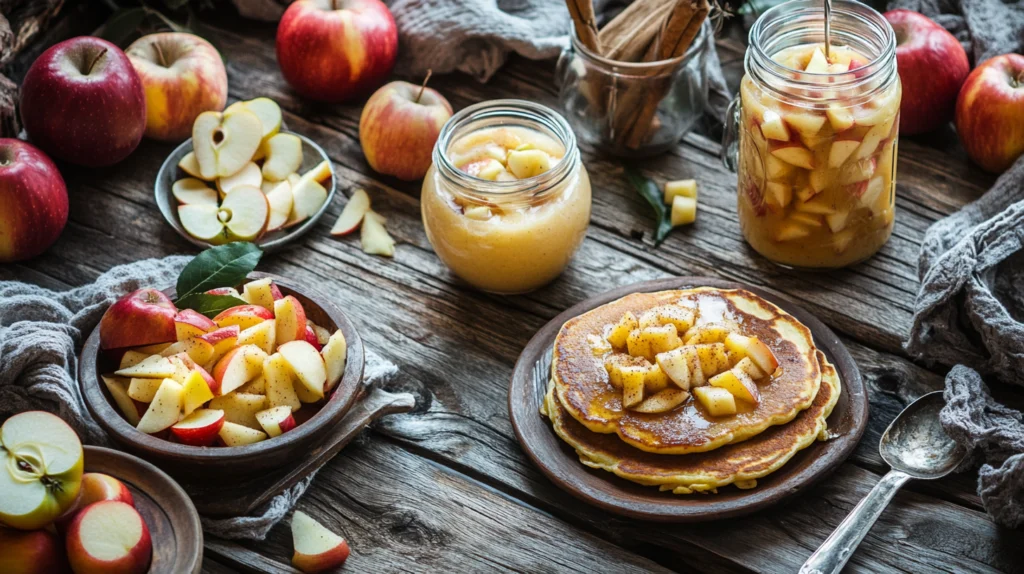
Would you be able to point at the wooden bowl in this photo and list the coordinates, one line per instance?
(224, 461)
(560, 463)
(169, 514)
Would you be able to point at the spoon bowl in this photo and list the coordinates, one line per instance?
(916, 443)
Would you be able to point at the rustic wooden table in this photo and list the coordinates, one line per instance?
(447, 487)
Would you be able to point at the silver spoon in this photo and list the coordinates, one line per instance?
(915, 446)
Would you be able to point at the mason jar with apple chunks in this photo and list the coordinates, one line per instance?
(817, 135)
(506, 202)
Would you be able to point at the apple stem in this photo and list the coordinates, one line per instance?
(94, 60)
(423, 86)
(160, 54)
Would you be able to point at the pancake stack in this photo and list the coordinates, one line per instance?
(689, 390)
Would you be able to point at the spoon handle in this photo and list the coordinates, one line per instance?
(830, 557)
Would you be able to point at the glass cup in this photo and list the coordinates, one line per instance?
(815, 152)
(631, 109)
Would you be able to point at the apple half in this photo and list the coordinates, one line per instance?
(109, 537)
(225, 142)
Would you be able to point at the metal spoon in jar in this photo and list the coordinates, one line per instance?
(915, 446)
(828, 29)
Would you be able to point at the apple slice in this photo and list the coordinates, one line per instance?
(773, 127)
(202, 222)
(281, 199)
(223, 340)
(165, 408)
(675, 365)
(192, 191)
(683, 187)
(753, 347)
(130, 359)
(189, 323)
(199, 350)
(739, 384)
(249, 175)
(794, 154)
(776, 169)
(334, 353)
(837, 221)
(240, 408)
(780, 193)
(321, 172)
(266, 110)
(279, 378)
(239, 366)
(317, 549)
(263, 335)
(840, 151)
(153, 367)
(818, 63)
(684, 210)
(244, 213)
(358, 205)
(283, 156)
(189, 165)
(109, 537)
(791, 230)
(874, 137)
(857, 171)
(290, 318)
(199, 428)
(746, 365)
(307, 198)
(875, 187)
(257, 386)
(839, 117)
(225, 142)
(322, 335)
(662, 401)
(244, 316)
(374, 238)
(276, 421)
(238, 435)
(258, 293)
(312, 339)
(717, 401)
(196, 392)
(818, 206)
(805, 123)
(153, 349)
(118, 389)
(143, 390)
(307, 365)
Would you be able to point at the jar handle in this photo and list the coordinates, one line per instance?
(730, 137)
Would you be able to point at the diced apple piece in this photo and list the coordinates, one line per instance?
(794, 154)
(837, 221)
(839, 117)
(244, 316)
(238, 435)
(841, 240)
(619, 363)
(307, 365)
(718, 402)
(675, 365)
(713, 358)
(746, 365)
(239, 366)
(654, 378)
(262, 335)
(258, 293)
(224, 143)
(840, 151)
(290, 320)
(818, 63)
(240, 408)
(776, 169)
(528, 163)
(279, 378)
(199, 428)
(773, 127)
(280, 199)
(196, 392)
(780, 194)
(697, 377)
(352, 215)
(857, 171)
(164, 409)
(223, 340)
(662, 401)
(130, 359)
(334, 353)
(708, 333)
(118, 389)
(189, 323)
(276, 420)
(249, 176)
(805, 123)
(633, 385)
(152, 367)
(192, 191)
(682, 187)
(816, 206)
(257, 386)
(684, 210)
(791, 230)
(739, 384)
(489, 169)
(375, 239)
(189, 165)
(875, 187)
(618, 333)
(283, 156)
(316, 549)
(143, 390)
(755, 349)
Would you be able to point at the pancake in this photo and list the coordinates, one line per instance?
(583, 387)
(740, 464)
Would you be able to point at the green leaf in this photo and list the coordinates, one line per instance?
(649, 191)
(222, 266)
(209, 305)
(121, 25)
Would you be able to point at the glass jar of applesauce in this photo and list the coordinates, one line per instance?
(813, 137)
(506, 202)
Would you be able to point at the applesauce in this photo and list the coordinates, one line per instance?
(506, 202)
(818, 136)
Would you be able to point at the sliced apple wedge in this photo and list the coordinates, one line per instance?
(153, 367)
(257, 386)
(839, 117)
(662, 401)
(249, 175)
(717, 401)
(118, 389)
(199, 428)
(130, 359)
(223, 340)
(143, 390)
(280, 198)
(321, 172)
(258, 293)
(283, 154)
(276, 421)
(266, 110)
(773, 127)
(164, 410)
(190, 165)
(334, 353)
(806, 124)
(192, 191)
(290, 319)
(239, 435)
(189, 323)
(280, 390)
(818, 63)
(196, 392)
(307, 197)
(840, 151)
(244, 211)
(739, 384)
(225, 142)
(794, 154)
(307, 364)
(240, 408)
(374, 238)
(239, 366)
(358, 205)
(263, 335)
(317, 549)
(244, 316)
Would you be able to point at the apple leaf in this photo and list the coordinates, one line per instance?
(209, 305)
(649, 190)
(221, 266)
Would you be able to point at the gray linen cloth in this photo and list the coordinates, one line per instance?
(477, 36)
(41, 329)
(970, 306)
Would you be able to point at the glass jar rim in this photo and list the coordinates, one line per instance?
(641, 68)
(882, 64)
(521, 112)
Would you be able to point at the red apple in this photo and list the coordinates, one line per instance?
(109, 537)
(33, 201)
(990, 112)
(32, 552)
(932, 67)
(183, 76)
(143, 317)
(399, 126)
(336, 50)
(96, 487)
(83, 102)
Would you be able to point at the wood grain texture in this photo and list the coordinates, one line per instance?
(426, 482)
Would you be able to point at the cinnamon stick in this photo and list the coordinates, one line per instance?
(627, 36)
(582, 13)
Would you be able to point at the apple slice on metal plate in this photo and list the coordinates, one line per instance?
(201, 221)
(225, 143)
(307, 197)
(192, 191)
(283, 156)
(244, 212)
(250, 175)
(190, 165)
(281, 199)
